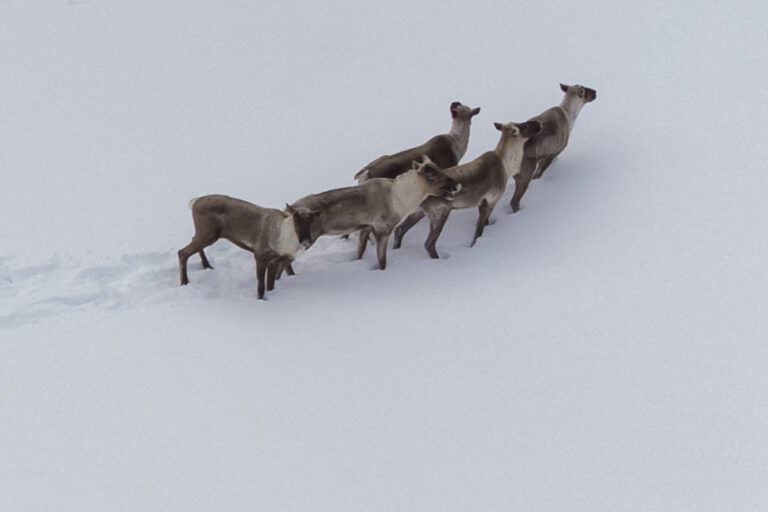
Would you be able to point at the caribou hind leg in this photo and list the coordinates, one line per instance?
(195, 246)
(362, 241)
(544, 163)
(204, 260)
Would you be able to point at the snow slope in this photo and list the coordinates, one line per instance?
(603, 349)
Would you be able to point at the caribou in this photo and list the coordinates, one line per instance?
(483, 182)
(444, 150)
(273, 236)
(378, 205)
(556, 126)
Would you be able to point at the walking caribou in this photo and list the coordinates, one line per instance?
(273, 236)
(483, 182)
(444, 150)
(378, 205)
(556, 126)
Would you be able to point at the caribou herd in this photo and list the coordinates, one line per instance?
(394, 192)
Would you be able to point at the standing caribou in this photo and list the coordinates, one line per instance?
(556, 126)
(406, 185)
(444, 150)
(273, 236)
(378, 205)
(483, 182)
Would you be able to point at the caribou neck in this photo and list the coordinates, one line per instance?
(571, 105)
(287, 240)
(408, 191)
(510, 151)
(459, 135)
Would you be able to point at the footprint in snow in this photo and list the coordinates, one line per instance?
(32, 293)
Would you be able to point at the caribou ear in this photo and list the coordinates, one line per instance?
(475, 111)
(499, 126)
(426, 160)
(530, 128)
(563, 87)
(290, 209)
(415, 164)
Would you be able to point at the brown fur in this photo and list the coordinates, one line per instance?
(556, 125)
(262, 231)
(377, 205)
(444, 150)
(483, 182)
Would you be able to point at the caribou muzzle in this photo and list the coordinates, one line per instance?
(451, 189)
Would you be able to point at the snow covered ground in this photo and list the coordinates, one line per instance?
(604, 349)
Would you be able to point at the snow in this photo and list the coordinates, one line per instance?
(603, 349)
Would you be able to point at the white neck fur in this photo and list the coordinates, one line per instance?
(408, 191)
(572, 105)
(459, 135)
(510, 150)
(287, 241)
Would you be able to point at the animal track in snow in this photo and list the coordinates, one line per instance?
(32, 293)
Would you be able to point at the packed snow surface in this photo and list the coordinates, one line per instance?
(603, 349)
